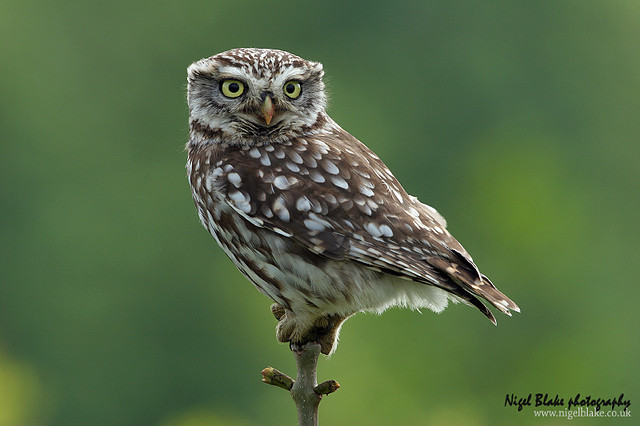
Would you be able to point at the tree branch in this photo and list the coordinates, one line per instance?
(274, 377)
(305, 391)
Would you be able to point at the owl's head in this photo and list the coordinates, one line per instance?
(255, 95)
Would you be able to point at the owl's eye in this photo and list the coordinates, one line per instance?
(292, 89)
(232, 88)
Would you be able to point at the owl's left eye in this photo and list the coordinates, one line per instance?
(292, 89)
(232, 88)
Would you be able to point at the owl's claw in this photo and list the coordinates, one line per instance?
(296, 347)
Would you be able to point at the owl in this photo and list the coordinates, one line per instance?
(309, 214)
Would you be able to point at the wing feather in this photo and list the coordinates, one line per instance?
(340, 201)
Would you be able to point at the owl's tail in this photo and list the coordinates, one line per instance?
(463, 272)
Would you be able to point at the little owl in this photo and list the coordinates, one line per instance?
(311, 216)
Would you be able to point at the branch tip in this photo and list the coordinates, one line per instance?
(274, 377)
(325, 388)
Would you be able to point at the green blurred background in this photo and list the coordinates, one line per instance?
(519, 121)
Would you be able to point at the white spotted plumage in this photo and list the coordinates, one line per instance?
(307, 212)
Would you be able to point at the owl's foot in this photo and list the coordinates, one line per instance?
(277, 310)
(286, 330)
(324, 331)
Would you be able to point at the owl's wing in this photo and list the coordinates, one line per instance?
(337, 198)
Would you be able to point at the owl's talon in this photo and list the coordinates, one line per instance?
(297, 346)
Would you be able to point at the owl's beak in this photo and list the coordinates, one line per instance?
(267, 109)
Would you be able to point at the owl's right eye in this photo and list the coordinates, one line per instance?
(232, 88)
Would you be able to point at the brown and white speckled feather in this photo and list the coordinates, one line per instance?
(307, 212)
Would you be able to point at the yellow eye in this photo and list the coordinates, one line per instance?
(232, 88)
(292, 89)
